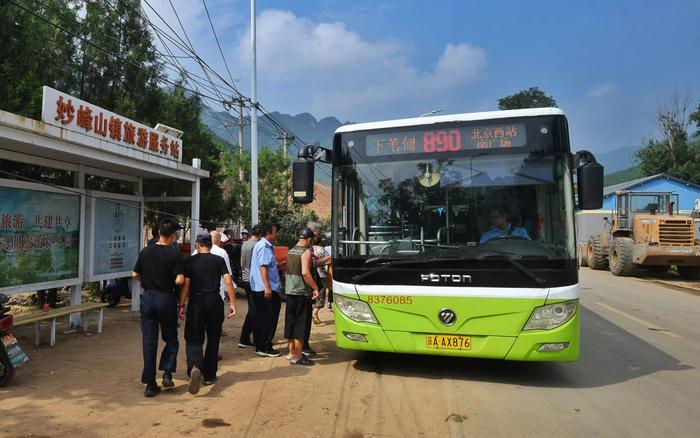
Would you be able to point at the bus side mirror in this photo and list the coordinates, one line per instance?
(303, 180)
(590, 182)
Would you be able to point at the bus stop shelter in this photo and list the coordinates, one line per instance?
(61, 222)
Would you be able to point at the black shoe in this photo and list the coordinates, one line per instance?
(195, 377)
(303, 361)
(309, 352)
(168, 380)
(152, 390)
(270, 352)
(244, 344)
(209, 381)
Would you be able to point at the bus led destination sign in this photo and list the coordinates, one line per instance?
(446, 140)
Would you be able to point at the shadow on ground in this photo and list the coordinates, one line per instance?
(609, 355)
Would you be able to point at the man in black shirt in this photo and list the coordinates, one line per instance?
(159, 268)
(204, 311)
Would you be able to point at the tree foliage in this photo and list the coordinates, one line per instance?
(533, 97)
(674, 153)
(102, 51)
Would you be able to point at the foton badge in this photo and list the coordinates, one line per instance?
(446, 278)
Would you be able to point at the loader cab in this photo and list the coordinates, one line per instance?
(629, 204)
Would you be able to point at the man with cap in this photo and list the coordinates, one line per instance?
(160, 269)
(204, 312)
(300, 288)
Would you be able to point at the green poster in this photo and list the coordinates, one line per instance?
(39, 236)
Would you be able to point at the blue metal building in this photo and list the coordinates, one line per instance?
(687, 192)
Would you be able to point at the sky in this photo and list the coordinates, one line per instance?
(609, 65)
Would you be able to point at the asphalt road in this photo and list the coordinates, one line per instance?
(638, 376)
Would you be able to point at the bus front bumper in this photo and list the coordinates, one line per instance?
(560, 344)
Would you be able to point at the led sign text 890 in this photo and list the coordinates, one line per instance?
(445, 140)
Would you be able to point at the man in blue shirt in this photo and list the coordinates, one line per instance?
(501, 226)
(265, 287)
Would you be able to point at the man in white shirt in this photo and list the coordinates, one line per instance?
(219, 251)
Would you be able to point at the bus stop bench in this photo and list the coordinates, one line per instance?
(51, 315)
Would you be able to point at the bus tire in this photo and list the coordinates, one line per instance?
(689, 272)
(621, 257)
(595, 254)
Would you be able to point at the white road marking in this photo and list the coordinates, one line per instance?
(638, 320)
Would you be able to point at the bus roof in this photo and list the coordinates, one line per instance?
(465, 117)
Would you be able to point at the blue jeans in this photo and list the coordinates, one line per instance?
(158, 310)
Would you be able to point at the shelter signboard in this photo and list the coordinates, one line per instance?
(39, 236)
(68, 112)
(116, 236)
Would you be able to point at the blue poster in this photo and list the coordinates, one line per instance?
(39, 236)
(116, 241)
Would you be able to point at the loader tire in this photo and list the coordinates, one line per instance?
(621, 257)
(595, 255)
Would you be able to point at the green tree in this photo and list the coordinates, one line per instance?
(533, 97)
(695, 118)
(34, 53)
(674, 153)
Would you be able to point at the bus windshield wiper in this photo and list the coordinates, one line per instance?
(388, 264)
(509, 257)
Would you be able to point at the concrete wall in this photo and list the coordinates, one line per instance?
(589, 222)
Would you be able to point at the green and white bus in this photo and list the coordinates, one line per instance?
(454, 235)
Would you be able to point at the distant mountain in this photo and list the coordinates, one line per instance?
(618, 159)
(304, 126)
(622, 176)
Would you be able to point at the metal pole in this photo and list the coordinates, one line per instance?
(240, 138)
(253, 123)
(194, 217)
(286, 140)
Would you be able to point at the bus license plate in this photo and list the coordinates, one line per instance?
(448, 342)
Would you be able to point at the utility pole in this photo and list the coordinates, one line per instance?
(286, 141)
(253, 121)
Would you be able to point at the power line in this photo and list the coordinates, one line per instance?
(219, 45)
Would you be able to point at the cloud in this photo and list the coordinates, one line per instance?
(328, 69)
(601, 90)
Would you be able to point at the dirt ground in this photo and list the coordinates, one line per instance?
(90, 386)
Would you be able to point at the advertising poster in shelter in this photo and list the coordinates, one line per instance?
(39, 236)
(116, 241)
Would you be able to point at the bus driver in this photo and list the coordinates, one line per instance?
(501, 226)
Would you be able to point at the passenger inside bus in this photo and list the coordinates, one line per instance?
(501, 226)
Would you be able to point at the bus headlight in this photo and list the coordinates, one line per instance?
(551, 316)
(356, 310)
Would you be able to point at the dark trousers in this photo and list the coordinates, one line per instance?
(266, 313)
(205, 316)
(247, 328)
(158, 310)
(307, 332)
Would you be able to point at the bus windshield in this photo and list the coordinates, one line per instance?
(487, 201)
